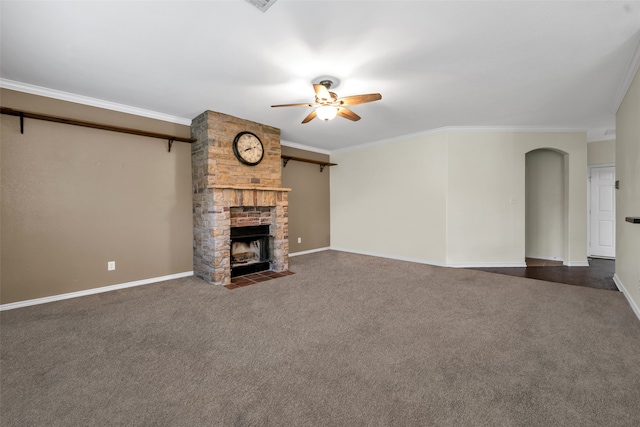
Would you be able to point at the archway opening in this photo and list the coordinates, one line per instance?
(545, 207)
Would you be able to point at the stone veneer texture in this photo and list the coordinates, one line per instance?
(226, 193)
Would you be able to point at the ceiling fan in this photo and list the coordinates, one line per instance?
(328, 105)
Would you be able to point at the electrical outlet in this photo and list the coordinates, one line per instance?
(299, 239)
(111, 265)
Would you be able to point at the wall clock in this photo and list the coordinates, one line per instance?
(248, 148)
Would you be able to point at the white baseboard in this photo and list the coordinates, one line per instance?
(93, 291)
(399, 258)
(624, 291)
(485, 264)
(602, 257)
(310, 251)
(436, 263)
(576, 263)
(546, 258)
(455, 264)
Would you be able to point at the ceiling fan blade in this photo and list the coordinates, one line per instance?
(312, 115)
(360, 99)
(294, 105)
(322, 93)
(348, 114)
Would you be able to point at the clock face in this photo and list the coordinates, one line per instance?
(248, 148)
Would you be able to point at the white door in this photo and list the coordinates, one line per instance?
(602, 211)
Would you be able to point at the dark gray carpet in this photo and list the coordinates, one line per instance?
(348, 340)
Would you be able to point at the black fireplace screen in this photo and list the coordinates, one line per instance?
(249, 249)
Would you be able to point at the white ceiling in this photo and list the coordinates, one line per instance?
(500, 64)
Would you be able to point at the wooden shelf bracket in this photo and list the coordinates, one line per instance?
(285, 160)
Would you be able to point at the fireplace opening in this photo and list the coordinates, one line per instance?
(249, 249)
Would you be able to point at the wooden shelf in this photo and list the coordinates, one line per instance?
(285, 160)
(633, 219)
(67, 121)
(247, 187)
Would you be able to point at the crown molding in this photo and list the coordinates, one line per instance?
(632, 70)
(601, 134)
(456, 129)
(304, 147)
(93, 102)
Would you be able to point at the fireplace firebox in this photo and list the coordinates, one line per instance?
(249, 249)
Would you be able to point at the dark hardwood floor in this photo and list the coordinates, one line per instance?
(598, 275)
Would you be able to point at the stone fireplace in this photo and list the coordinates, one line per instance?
(228, 194)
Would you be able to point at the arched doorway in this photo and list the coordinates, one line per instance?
(545, 205)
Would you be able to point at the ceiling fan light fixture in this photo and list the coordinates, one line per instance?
(326, 112)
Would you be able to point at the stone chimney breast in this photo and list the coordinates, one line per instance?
(222, 184)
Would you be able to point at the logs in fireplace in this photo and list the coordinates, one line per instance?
(249, 249)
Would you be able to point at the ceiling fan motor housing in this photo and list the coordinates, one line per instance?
(326, 83)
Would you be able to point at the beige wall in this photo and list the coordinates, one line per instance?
(309, 202)
(628, 196)
(485, 209)
(544, 205)
(74, 198)
(486, 212)
(390, 200)
(601, 153)
(454, 198)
